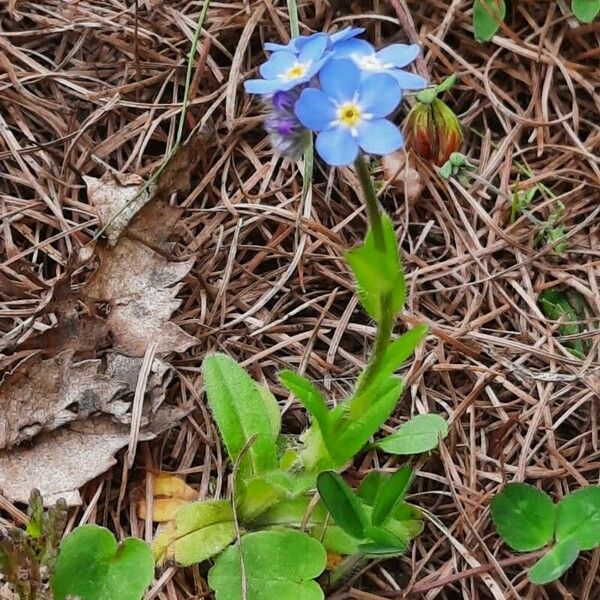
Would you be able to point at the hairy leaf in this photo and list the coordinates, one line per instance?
(239, 409)
(379, 273)
(310, 397)
(200, 531)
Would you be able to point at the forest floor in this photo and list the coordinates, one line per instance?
(95, 88)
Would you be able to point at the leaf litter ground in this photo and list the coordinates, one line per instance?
(227, 257)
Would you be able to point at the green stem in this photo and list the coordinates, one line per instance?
(362, 398)
(293, 16)
(371, 202)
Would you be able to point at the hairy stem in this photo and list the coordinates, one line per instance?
(371, 202)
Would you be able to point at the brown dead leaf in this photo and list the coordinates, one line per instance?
(403, 177)
(42, 395)
(61, 462)
(46, 394)
(139, 284)
(116, 201)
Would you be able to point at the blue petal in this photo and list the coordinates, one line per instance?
(315, 67)
(345, 34)
(408, 81)
(337, 147)
(313, 48)
(315, 110)
(399, 55)
(301, 41)
(379, 95)
(340, 79)
(278, 64)
(379, 136)
(352, 47)
(272, 47)
(264, 86)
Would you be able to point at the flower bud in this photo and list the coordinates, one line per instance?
(288, 136)
(433, 131)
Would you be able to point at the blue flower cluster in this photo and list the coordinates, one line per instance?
(338, 86)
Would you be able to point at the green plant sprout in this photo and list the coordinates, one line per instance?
(489, 14)
(527, 520)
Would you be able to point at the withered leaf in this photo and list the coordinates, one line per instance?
(62, 461)
(116, 201)
(139, 283)
(45, 394)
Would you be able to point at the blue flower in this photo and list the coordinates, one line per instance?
(348, 112)
(286, 69)
(387, 60)
(296, 44)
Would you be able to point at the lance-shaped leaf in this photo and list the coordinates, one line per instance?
(341, 501)
(239, 409)
(391, 492)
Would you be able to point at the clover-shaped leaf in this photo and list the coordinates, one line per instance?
(586, 10)
(554, 563)
(92, 566)
(276, 565)
(578, 518)
(524, 516)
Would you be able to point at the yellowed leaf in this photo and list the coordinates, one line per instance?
(163, 509)
(167, 485)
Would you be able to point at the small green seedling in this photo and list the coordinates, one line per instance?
(568, 308)
(26, 557)
(92, 566)
(527, 520)
(421, 434)
(376, 515)
(488, 14)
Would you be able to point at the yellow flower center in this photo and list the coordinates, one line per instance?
(295, 72)
(349, 115)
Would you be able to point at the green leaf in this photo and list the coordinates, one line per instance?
(239, 409)
(524, 516)
(310, 396)
(487, 16)
(379, 273)
(350, 436)
(555, 563)
(578, 518)
(258, 495)
(556, 306)
(201, 530)
(586, 10)
(371, 485)
(35, 514)
(381, 542)
(397, 353)
(420, 434)
(92, 566)
(342, 503)
(392, 491)
(272, 408)
(277, 564)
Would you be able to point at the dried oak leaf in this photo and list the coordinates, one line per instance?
(116, 201)
(42, 395)
(141, 286)
(62, 461)
(46, 394)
